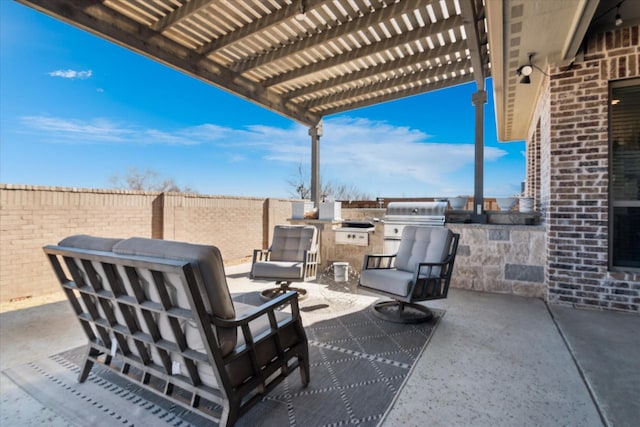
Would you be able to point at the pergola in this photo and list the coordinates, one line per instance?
(307, 59)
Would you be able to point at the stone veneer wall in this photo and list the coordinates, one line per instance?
(491, 258)
(501, 259)
(31, 217)
(572, 123)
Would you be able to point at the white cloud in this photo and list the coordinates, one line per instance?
(58, 130)
(71, 74)
(373, 156)
(100, 130)
(377, 157)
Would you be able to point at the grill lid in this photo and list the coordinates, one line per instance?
(409, 209)
(427, 213)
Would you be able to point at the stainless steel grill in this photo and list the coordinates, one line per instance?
(401, 214)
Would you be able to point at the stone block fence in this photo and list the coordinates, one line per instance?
(512, 259)
(31, 217)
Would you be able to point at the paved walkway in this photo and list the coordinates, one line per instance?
(495, 360)
(606, 348)
(498, 360)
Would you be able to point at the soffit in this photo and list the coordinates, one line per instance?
(555, 31)
(338, 56)
(516, 29)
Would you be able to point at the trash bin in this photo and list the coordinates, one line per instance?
(341, 271)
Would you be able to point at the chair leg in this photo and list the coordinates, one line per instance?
(401, 312)
(88, 364)
(303, 363)
(280, 289)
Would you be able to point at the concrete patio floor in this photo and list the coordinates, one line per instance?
(494, 360)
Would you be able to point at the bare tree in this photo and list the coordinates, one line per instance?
(343, 192)
(301, 188)
(299, 184)
(149, 180)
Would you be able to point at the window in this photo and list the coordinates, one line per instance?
(624, 173)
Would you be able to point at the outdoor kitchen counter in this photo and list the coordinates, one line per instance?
(331, 252)
(502, 258)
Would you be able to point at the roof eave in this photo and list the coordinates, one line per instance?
(514, 33)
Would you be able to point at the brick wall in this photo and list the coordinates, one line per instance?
(31, 217)
(572, 113)
(532, 182)
(231, 223)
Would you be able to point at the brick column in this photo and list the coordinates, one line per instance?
(577, 175)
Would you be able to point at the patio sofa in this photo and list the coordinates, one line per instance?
(160, 314)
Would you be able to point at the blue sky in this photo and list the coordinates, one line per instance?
(76, 110)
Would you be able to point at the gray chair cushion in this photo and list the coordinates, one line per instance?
(209, 262)
(103, 244)
(423, 244)
(208, 258)
(290, 242)
(281, 270)
(394, 281)
(83, 241)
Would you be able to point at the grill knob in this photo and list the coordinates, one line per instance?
(395, 231)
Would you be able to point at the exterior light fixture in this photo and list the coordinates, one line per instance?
(618, 18)
(525, 71)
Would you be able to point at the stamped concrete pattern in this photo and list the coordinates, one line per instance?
(606, 346)
(495, 360)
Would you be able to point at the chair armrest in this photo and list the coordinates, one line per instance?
(290, 298)
(428, 266)
(310, 256)
(310, 264)
(261, 255)
(378, 261)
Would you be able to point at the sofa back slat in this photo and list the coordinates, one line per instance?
(162, 312)
(145, 316)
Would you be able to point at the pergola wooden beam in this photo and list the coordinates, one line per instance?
(93, 16)
(390, 43)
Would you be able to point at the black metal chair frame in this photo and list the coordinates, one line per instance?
(309, 270)
(99, 306)
(424, 287)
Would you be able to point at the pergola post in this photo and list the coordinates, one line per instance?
(479, 98)
(315, 132)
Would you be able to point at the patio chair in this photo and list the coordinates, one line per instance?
(292, 257)
(159, 313)
(419, 271)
